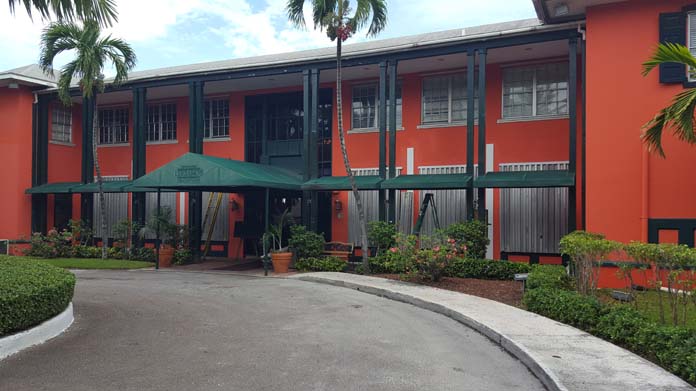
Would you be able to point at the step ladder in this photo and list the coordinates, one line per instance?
(213, 219)
(427, 201)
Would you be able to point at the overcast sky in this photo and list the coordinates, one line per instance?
(174, 32)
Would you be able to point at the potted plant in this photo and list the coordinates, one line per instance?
(281, 257)
(161, 222)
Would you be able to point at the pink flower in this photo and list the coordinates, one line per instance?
(393, 249)
(450, 240)
(436, 248)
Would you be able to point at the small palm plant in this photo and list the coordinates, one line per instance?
(340, 22)
(678, 116)
(92, 51)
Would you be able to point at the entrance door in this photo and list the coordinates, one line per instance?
(62, 211)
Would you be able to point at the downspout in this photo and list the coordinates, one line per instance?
(644, 195)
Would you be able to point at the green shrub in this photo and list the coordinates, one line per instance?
(145, 254)
(586, 250)
(306, 244)
(81, 251)
(321, 264)
(31, 292)
(182, 256)
(564, 306)
(485, 269)
(381, 235)
(549, 276)
(473, 234)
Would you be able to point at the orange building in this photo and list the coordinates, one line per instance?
(533, 125)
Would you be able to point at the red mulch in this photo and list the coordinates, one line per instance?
(508, 292)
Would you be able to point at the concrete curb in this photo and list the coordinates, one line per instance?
(51, 328)
(561, 357)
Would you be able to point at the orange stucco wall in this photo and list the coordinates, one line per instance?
(15, 149)
(625, 184)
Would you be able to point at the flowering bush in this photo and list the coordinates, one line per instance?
(432, 262)
(53, 245)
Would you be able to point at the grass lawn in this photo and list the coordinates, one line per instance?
(648, 304)
(91, 263)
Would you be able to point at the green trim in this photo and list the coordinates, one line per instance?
(53, 188)
(330, 183)
(428, 182)
(525, 179)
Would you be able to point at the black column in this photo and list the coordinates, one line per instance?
(139, 151)
(313, 148)
(482, 132)
(87, 199)
(391, 216)
(470, 123)
(573, 127)
(196, 132)
(382, 122)
(39, 212)
(306, 144)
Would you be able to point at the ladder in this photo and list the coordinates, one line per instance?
(427, 201)
(213, 219)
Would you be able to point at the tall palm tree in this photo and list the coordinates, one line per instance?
(340, 23)
(679, 115)
(103, 11)
(92, 51)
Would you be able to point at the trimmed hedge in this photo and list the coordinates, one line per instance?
(31, 292)
(548, 276)
(485, 269)
(321, 264)
(672, 348)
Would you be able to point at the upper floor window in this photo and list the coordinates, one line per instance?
(217, 118)
(161, 122)
(365, 106)
(691, 39)
(535, 91)
(113, 125)
(61, 124)
(445, 99)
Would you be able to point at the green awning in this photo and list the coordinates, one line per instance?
(193, 171)
(108, 186)
(525, 179)
(330, 183)
(427, 182)
(53, 188)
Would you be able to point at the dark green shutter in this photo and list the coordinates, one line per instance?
(673, 29)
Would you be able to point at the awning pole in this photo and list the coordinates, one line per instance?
(266, 224)
(157, 239)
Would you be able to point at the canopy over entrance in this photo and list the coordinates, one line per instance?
(193, 171)
(53, 188)
(330, 183)
(427, 182)
(526, 179)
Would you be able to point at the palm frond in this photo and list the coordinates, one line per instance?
(679, 116)
(65, 81)
(669, 53)
(102, 11)
(295, 12)
(366, 8)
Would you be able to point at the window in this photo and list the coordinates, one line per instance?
(365, 107)
(61, 125)
(161, 122)
(445, 100)
(217, 118)
(113, 125)
(535, 91)
(691, 39)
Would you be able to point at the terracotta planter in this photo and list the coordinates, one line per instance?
(166, 254)
(281, 262)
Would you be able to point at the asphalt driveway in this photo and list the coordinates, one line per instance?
(145, 330)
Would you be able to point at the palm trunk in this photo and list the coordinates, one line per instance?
(100, 187)
(346, 163)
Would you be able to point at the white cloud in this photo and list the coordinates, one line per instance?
(172, 32)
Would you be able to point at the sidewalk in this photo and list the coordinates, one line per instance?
(562, 357)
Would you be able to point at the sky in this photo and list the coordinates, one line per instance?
(175, 32)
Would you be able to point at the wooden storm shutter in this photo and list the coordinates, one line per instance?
(673, 29)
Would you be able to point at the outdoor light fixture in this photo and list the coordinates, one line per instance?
(561, 9)
(338, 205)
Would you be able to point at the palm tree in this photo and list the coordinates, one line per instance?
(103, 11)
(678, 116)
(92, 51)
(334, 16)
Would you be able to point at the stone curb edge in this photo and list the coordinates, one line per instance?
(36, 335)
(544, 374)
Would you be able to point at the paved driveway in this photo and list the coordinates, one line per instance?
(144, 330)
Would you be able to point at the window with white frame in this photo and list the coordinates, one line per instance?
(445, 99)
(535, 91)
(691, 39)
(217, 118)
(61, 124)
(113, 125)
(161, 122)
(365, 106)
